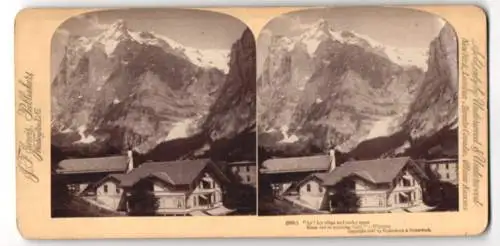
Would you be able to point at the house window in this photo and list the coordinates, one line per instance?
(447, 166)
(117, 190)
(248, 178)
(205, 184)
(320, 189)
(248, 168)
(405, 197)
(308, 187)
(406, 182)
(447, 175)
(204, 200)
(179, 203)
(105, 188)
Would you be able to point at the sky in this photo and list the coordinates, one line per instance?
(194, 28)
(397, 27)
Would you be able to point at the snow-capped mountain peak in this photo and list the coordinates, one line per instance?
(321, 30)
(112, 36)
(317, 33)
(359, 95)
(321, 26)
(119, 31)
(218, 58)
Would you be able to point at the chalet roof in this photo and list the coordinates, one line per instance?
(445, 160)
(242, 163)
(377, 171)
(115, 176)
(296, 164)
(318, 176)
(173, 172)
(93, 165)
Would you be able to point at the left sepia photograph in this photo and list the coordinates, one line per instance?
(153, 114)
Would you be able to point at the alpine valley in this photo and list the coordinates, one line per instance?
(326, 87)
(124, 89)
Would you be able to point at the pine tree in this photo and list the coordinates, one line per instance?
(142, 201)
(344, 200)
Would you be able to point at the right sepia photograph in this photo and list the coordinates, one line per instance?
(357, 112)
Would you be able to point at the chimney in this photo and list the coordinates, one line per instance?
(333, 162)
(130, 165)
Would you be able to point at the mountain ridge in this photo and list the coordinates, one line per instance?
(354, 93)
(133, 95)
(118, 32)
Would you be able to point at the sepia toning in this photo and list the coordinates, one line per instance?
(354, 117)
(153, 113)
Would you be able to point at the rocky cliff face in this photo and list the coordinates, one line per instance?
(128, 89)
(228, 131)
(231, 123)
(234, 110)
(436, 104)
(432, 121)
(351, 92)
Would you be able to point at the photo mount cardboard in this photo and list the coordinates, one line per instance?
(34, 29)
